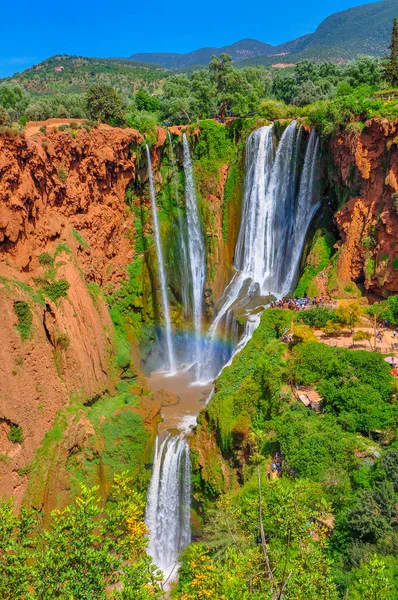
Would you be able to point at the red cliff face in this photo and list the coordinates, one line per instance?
(61, 198)
(367, 162)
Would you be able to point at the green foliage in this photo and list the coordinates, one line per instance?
(81, 553)
(390, 65)
(56, 290)
(146, 123)
(318, 316)
(78, 236)
(313, 445)
(46, 260)
(15, 434)
(386, 310)
(146, 102)
(62, 173)
(319, 255)
(104, 103)
(16, 546)
(251, 385)
(356, 385)
(5, 120)
(25, 318)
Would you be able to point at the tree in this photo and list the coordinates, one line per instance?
(104, 103)
(363, 70)
(362, 336)
(16, 546)
(372, 581)
(76, 558)
(285, 87)
(221, 71)
(145, 101)
(38, 111)
(308, 92)
(349, 314)
(5, 120)
(62, 112)
(390, 66)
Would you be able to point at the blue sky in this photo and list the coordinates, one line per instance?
(32, 31)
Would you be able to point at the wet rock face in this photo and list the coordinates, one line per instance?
(367, 164)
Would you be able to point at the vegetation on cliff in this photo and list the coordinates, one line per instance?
(342, 461)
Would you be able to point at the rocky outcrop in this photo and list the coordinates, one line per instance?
(367, 179)
(63, 222)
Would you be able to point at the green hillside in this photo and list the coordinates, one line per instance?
(364, 29)
(74, 74)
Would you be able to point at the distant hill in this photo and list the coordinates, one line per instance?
(239, 51)
(74, 74)
(364, 29)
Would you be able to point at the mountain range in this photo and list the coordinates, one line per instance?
(364, 29)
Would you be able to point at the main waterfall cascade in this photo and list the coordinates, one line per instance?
(278, 207)
(169, 503)
(279, 203)
(162, 272)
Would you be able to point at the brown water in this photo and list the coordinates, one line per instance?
(192, 399)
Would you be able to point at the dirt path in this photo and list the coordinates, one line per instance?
(388, 345)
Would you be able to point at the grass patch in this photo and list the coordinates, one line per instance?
(80, 239)
(25, 318)
(15, 435)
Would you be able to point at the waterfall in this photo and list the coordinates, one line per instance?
(162, 272)
(277, 209)
(196, 251)
(168, 517)
(185, 276)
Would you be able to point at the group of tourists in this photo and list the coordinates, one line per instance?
(300, 303)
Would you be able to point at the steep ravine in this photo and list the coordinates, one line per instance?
(81, 202)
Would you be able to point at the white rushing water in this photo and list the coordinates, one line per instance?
(196, 251)
(278, 207)
(162, 272)
(185, 274)
(168, 516)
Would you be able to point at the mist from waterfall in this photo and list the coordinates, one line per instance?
(196, 251)
(168, 510)
(162, 271)
(278, 207)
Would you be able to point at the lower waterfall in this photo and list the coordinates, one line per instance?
(168, 511)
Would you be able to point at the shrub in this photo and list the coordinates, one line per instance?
(394, 199)
(362, 336)
(25, 318)
(56, 290)
(62, 173)
(46, 260)
(317, 317)
(5, 120)
(15, 435)
(62, 340)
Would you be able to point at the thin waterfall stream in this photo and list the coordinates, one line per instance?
(162, 272)
(279, 203)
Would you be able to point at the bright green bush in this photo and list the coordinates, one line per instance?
(15, 434)
(56, 290)
(25, 318)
